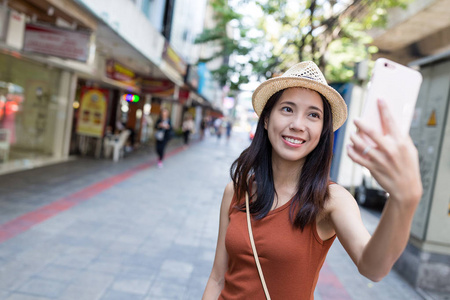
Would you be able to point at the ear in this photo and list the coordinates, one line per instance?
(266, 121)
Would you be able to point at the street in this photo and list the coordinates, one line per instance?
(91, 229)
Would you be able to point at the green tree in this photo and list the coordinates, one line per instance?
(330, 33)
(222, 38)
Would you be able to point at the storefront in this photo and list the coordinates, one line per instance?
(106, 105)
(31, 112)
(38, 59)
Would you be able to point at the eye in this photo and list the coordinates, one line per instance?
(286, 109)
(315, 115)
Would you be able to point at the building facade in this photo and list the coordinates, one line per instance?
(121, 67)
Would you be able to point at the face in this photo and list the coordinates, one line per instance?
(165, 114)
(295, 124)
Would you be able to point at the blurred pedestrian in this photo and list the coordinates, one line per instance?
(187, 127)
(282, 181)
(163, 129)
(228, 127)
(203, 125)
(218, 127)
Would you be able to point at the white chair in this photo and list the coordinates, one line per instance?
(4, 143)
(116, 146)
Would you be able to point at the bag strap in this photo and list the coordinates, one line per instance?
(255, 254)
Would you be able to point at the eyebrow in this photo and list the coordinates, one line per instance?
(316, 108)
(293, 104)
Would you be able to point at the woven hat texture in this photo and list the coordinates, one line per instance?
(307, 75)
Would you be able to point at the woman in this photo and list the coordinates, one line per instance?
(296, 211)
(187, 127)
(163, 130)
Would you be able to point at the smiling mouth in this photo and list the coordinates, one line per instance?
(294, 141)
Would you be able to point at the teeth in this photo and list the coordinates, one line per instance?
(293, 141)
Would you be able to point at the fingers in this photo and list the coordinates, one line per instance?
(389, 127)
(388, 124)
(375, 139)
(366, 153)
(358, 158)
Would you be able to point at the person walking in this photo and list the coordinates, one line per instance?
(218, 127)
(228, 127)
(281, 183)
(203, 125)
(162, 135)
(187, 127)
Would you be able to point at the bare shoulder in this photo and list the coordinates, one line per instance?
(228, 194)
(339, 198)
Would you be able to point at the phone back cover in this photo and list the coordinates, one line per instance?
(399, 87)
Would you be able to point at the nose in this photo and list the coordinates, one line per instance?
(297, 124)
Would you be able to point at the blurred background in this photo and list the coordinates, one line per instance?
(82, 84)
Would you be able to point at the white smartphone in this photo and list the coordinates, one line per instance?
(399, 87)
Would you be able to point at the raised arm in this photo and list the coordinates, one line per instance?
(394, 163)
(217, 277)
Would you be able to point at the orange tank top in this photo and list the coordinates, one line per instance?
(290, 258)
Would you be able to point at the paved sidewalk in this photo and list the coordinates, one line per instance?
(94, 229)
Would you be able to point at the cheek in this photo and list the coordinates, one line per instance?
(317, 134)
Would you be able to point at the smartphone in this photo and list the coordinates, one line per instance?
(399, 87)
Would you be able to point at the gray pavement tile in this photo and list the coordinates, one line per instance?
(58, 273)
(197, 283)
(165, 289)
(155, 247)
(132, 283)
(183, 253)
(110, 267)
(39, 256)
(117, 295)
(43, 288)
(11, 279)
(139, 270)
(82, 228)
(19, 296)
(119, 250)
(144, 260)
(4, 294)
(93, 279)
(73, 261)
(16, 272)
(176, 271)
(82, 292)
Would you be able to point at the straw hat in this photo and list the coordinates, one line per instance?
(307, 75)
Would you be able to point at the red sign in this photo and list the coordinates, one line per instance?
(57, 42)
(157, 87)
(183, 96)
(118, 72)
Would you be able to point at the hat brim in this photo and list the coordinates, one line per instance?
(268, 88)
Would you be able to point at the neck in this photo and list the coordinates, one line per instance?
(286, 174)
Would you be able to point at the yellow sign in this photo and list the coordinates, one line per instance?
(432, 119)
(92, 112)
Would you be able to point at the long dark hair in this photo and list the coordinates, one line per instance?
(255, 164)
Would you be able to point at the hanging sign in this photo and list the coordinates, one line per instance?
(173, 59)
(157, 87)
(119, 72)
(58, 42)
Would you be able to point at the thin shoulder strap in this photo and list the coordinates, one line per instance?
(255, 254)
